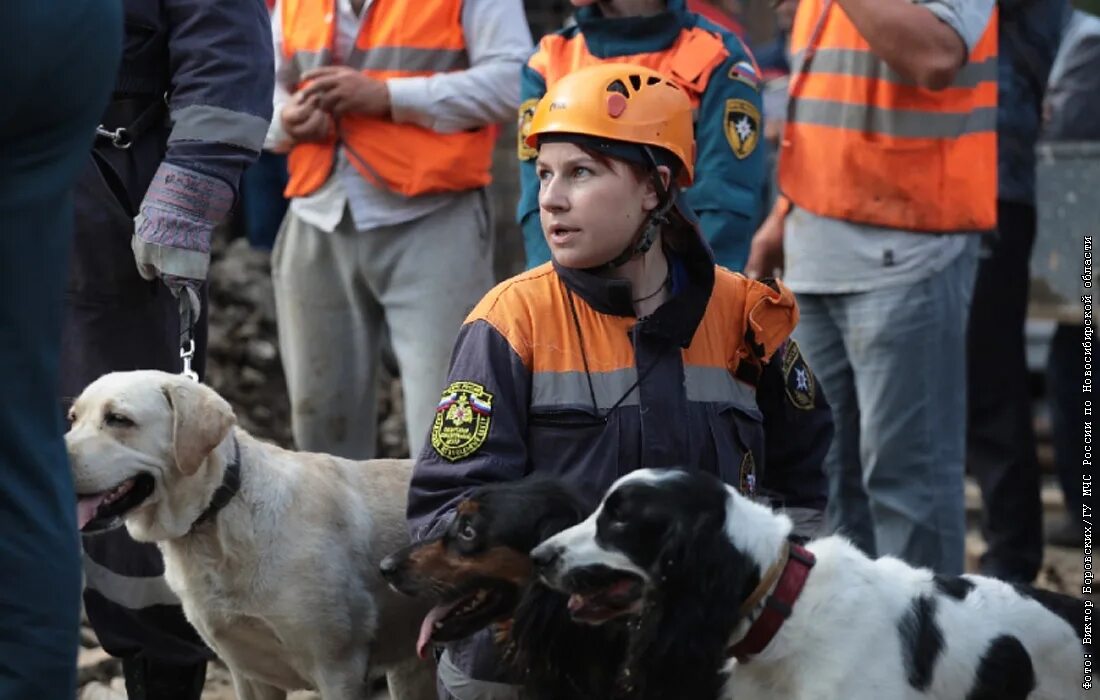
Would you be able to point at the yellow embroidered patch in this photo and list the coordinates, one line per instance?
(800, 382)
(523, 129)
(742, 126)
(462, 420)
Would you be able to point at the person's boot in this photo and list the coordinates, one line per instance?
(148, 679)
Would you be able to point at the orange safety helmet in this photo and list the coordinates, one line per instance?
(621, 102)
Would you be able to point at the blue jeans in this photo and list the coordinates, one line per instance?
(892, 362)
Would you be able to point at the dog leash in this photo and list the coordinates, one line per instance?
(187, 333)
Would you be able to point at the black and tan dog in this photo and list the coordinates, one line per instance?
(478, 573)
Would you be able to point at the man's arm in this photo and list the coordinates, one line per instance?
(798, 429)
(222, 73)
(911, 38)
(498, 41)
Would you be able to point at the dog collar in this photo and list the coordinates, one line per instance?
(231, 484)
(777, 608)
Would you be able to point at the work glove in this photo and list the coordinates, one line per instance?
(173, 228)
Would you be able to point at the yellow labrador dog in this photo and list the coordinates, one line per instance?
(274, 553)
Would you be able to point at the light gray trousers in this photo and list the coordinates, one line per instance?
(333, 293)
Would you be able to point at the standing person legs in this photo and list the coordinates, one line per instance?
(43, 140)
(329, 331)
(907, 347)
(334, 291)
(429, 274)
(1064, 368)
(822, 344)
(1000, 437)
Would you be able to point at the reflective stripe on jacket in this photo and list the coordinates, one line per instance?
(864, 144)
(396, 39)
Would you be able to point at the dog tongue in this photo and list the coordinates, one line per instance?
(428, 626)
(86, 507)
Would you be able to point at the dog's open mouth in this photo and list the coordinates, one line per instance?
(598, 594)
(103, 510)
(463, 615)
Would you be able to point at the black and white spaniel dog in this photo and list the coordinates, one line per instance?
(724, 605)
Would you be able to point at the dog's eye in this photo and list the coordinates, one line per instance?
(117, 420)
(466, 533)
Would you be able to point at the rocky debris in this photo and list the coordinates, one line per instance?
(242, 351)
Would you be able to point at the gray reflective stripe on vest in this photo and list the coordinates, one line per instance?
(291, 71)
(570, 389)
(905, 123)
(462, 687)
(717, 385)
(218, 125)
(864, 64)
(408, 58)
(133, 592)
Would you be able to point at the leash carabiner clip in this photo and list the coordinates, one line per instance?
(120, 138)
(187, 351)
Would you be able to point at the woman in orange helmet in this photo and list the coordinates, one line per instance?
(630, 349)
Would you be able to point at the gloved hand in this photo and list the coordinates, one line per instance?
(174, 225)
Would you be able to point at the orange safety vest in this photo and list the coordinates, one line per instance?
(397, 38)
(690, 60)
(864, 144)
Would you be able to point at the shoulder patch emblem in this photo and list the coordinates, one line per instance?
(800, 382)
(744, 72)
(741, 123)
(462, 420)
(523, 129)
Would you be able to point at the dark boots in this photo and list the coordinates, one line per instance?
(147, 679)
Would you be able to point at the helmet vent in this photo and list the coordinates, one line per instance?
(652, 80)
(618, 87)
(636, 82)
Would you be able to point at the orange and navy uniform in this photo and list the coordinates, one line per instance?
(556, 375)
(716, 71)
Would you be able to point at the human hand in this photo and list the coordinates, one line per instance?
(766, 251)
(343, 90)
(174, 225)
(304, 120)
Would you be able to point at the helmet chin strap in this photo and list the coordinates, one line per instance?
(656, 220)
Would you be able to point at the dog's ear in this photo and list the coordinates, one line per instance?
(201, 420)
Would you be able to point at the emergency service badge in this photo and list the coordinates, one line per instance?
(800, 382)
(742, 127)
(523, 129)
(462, 420)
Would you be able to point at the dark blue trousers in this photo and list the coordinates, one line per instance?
(60, 59)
